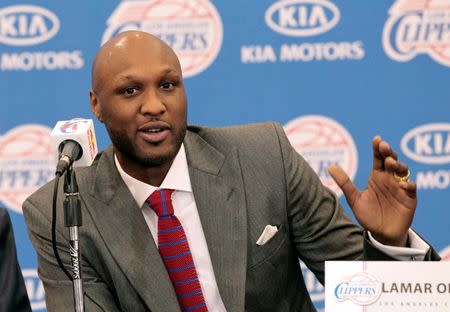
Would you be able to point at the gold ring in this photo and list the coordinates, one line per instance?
(402, 179)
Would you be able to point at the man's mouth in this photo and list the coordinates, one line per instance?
(154, 132)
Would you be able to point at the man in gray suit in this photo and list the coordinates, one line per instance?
(249, 204)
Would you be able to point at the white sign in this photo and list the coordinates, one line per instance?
(388, 286)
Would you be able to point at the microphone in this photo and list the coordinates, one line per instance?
(75, 142)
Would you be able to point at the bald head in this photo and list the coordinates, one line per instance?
(116, 53)
(138, 94)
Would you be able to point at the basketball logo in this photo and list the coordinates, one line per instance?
(27, 162)
(323, 142)
(192, 28)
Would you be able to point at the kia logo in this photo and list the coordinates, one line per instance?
(302, 18)
(25, 25)
(429, 144)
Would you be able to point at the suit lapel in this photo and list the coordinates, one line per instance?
(219, 194)
(123, 228)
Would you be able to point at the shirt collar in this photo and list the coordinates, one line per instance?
(177, 178)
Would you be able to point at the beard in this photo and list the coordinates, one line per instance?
(125, 147)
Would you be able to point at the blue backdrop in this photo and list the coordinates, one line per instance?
(334, 72)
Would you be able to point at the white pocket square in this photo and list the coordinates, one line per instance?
(267, 234)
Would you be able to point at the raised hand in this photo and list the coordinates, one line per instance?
(386, 207)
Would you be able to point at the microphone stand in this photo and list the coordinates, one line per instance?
(72, 220)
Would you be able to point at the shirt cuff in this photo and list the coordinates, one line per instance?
(416, 252)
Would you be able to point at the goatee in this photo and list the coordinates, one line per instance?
(126, 148)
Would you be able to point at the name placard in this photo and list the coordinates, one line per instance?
(387, 286)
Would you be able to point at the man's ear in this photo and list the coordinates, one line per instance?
(95, 105)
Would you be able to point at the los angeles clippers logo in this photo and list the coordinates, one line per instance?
(418, 27)
(192, 28)
(323, 142)
(27, 162)
(362, 289)
(72, 126)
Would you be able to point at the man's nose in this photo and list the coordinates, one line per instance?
(152, 104)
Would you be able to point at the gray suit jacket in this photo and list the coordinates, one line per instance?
(243, 179)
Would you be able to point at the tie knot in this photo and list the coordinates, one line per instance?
(161, 202)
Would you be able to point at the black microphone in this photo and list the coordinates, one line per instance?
(69, 151)
(75, 141)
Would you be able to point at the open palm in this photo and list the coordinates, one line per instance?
(386, 207)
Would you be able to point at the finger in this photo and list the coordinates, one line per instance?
(410, 188)
(394, 155)
(402, 170)
(396, 168)
(377, 157)
(386, 150)
(391, 165)
(404, 192)
(381, 150)
(343, 181)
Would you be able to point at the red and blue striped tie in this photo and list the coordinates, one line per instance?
(175, 253)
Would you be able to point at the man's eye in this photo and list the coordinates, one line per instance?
(129, 91)
(167, 85)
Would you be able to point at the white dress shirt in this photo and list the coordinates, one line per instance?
(417, 250)
(185, 210)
